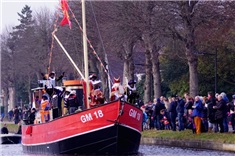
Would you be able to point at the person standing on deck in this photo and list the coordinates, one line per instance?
(96, 95)
(32, 115)
(65, 99)
(72, 102)
(45, 106)
(37, 102)
(131, 92)
(117, 90)
(56, 99)
(92, 78)
(52, 76)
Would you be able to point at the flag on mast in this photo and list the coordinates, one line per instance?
(65, 8)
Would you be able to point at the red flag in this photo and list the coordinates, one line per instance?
(65, 8)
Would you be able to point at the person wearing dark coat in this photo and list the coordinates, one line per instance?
(220, 112)
(172, 113)
(149, 111)
(204, 119)
(157, 115)
(57, 100)
(180, 112)
(4, 129)
(16, 114)
(211, 101)
(19, 131)
(131, 92)
(232, 113)
(31, 117)
(72, 102)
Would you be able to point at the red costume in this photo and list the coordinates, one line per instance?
(96, 95)
(117, 90)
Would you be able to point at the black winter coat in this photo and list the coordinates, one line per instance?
(220, 110)
(180, 106)
(210, 111)
(159, 106)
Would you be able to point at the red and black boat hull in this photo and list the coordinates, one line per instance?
(117, 132)
(114, 140)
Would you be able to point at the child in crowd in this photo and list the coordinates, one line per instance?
(191, 124)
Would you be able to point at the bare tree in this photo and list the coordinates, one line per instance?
(183, 19)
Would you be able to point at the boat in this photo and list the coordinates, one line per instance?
(112, 128)
(10, 138)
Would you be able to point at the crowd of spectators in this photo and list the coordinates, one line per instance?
(211, 113)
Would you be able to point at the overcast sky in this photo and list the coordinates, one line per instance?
(9, 9)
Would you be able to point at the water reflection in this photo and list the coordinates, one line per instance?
(154, 150)
(144, 150)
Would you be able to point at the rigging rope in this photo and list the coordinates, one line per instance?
(90, 45)
(102, 43)
(52, 45)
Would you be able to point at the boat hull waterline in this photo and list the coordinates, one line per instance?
(113, 128)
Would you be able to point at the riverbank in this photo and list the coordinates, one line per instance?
(11, 126)
(213, 141)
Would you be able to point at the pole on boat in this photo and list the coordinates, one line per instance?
(85, 53)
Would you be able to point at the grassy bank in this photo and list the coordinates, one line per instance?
(228, 138)
(12, 128)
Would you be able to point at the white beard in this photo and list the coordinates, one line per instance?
(115, 85)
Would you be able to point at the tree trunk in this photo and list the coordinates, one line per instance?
(29, 89)
(104, 79)
(5, 100)
(131, 75)
(148, 76)
(156, 73)
(128, 72)
(96, 68)
(193, 73)
(11, 100)
(125, 72)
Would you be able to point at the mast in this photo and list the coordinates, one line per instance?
(85, 53)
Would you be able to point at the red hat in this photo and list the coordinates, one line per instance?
(117, 80)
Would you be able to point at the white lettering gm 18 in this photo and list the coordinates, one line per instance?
(88, 117)
(134, 114)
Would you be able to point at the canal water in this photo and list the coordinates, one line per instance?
(144, 150)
